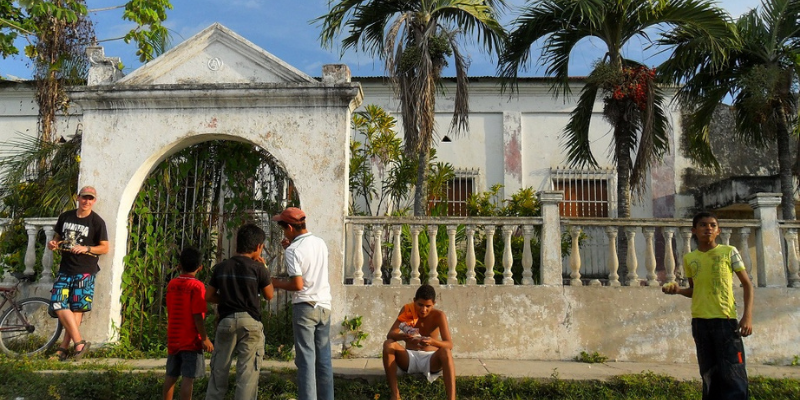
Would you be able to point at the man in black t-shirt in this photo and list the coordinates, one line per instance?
(235, 286)
(81, 236)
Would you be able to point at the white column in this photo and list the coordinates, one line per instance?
(686, 235)
(377, 256)
(508, 258)
(669, 257)
(550, 269)
(792, 263)
(725, 235)
(30, 251)
(768, 240)
(744, 250)
(527, 257)
(452, 259)
(633, 263)
(650, 255)
(488, 259)
(47, 256)
(471, 256)
(358, 255)
(415, 230)
(397, 258)
(575, 257)
(613, 259)
(433, 256)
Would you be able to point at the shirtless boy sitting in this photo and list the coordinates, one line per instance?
(428, 348)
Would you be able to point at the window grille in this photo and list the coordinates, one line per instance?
(458, 191)
(586, 191)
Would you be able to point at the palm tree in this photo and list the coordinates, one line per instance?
(634, 104)
(761, 75)
(415, 38)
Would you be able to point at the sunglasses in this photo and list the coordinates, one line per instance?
(87, 197)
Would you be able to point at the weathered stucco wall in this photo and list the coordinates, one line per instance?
(557, 323)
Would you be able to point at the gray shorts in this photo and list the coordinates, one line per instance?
(188, 364)
(419, 362)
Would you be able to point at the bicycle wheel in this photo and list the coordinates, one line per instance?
(28, 329)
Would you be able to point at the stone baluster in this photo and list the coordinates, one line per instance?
(377, 257)
(358, 256)
(488, 260)
(744, 250)
(633, 263)
(575, 257)
(650, 255)
(471, 256)
(433, 256)
(415, 230)
(397, 258)
(613, 259)
(30, 252)
(686, 234)
(669, 257)
(508, 258)
(452, 258)
(47, 256)
(527, 257)
(725, 235)
(791, 255)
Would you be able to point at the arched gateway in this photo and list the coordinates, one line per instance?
(216, 85)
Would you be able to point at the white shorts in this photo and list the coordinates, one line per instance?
(419, 362)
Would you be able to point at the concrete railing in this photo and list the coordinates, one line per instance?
(376, 247)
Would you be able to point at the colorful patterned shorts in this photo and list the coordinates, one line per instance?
(73, 292)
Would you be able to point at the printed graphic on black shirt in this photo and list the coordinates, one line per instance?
(74, 234)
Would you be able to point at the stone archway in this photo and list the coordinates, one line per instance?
(215, 85)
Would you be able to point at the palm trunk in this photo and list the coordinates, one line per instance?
(421, 190)
(624, 165)
(785, 166)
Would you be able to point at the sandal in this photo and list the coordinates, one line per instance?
(61, 354)
(84, 350)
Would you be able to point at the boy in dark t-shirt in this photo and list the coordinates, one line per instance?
(186, 332)
(81, 236)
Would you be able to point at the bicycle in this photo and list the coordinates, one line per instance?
(26, 328)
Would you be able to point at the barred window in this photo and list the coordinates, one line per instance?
(458, 191)
(586, 191)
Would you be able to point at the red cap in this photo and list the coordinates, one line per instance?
(291, 215)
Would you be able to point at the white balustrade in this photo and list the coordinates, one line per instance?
(791, 254)
(358, 259)
(488, 259)
(471, 256)
(452, 259)
(669, 257)
(632, 261)
(377, 256)
(650, 255)
(744, 250)
(433, 256)
(527, 258)
(686, 235)
(613, 259)
(575, 257)
(397, 258)
(508, 258)
(415, 230)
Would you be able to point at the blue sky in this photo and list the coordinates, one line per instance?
(283, 28)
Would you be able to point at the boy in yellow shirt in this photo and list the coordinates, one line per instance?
(717, 334)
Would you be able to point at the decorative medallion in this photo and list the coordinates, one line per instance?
(215, 64)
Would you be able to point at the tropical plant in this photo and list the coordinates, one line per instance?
(634, 105)
(415, 39)
(760, 74)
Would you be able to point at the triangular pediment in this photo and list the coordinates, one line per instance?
(215, 55)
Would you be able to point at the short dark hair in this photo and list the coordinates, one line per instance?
(701, 215)
(248, 237)
(298, 227)
(190, 259)
(425, 292)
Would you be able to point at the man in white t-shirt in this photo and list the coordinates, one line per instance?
(306, 259)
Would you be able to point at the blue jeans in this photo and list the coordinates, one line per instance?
(312, 343)
(720, 353)
(240, 335)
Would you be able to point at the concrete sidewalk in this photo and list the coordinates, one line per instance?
(372, 368)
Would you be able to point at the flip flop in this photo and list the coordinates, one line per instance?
(84, 350)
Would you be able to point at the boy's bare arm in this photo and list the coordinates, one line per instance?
(211, 295)
(395, 333)
(201, 328)
(746, 323)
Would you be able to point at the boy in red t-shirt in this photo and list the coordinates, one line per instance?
(186, 332)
